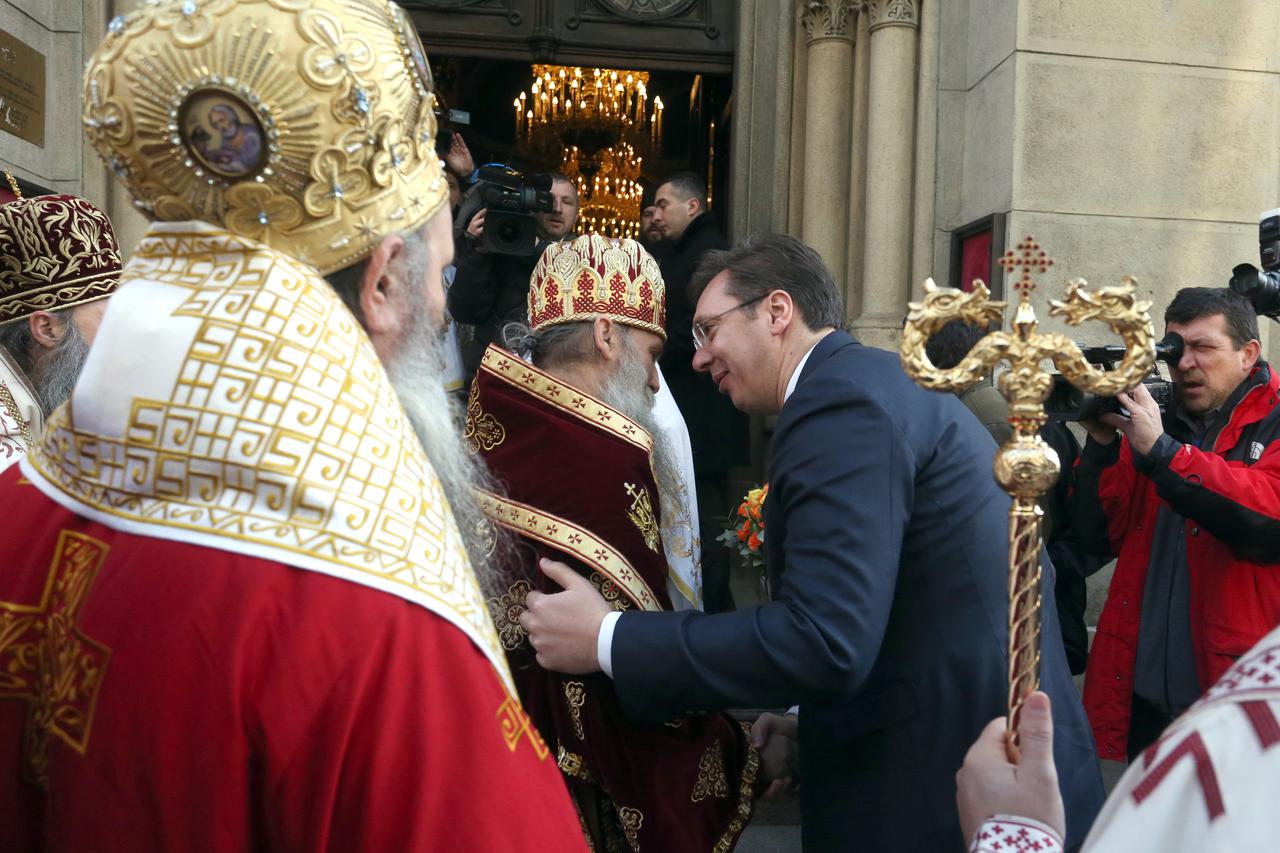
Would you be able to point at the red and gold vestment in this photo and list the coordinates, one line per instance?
(578, 486)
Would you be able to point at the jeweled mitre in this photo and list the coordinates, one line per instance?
(306, 125)
(594, 276)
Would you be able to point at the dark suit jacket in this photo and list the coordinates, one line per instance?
(886, 544)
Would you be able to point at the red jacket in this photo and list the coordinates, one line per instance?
(1230, 498)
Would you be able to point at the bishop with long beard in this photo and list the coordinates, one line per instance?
(569, 439)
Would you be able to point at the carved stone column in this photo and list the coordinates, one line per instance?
(858, 166)
(829, 25)
(886, 267)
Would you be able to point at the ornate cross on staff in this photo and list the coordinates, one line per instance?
(1025, 466)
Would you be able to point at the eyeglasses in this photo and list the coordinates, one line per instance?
(702, 331)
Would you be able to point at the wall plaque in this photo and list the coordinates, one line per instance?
(22, 70)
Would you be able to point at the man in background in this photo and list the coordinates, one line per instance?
(1186, 500)
(489, 289)
(717, 431)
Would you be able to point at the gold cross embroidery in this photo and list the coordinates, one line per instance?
(47, 662)
(641, 515)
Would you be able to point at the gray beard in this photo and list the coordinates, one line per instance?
(57, 370)
(435, 418)
(626, 390)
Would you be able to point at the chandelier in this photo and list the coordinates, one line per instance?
(609, 189)
(595, 123)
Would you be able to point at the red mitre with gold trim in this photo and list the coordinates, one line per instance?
(594, 276)
(56, 251)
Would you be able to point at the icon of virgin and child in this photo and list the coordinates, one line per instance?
(229, 143)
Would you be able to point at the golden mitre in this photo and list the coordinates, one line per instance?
(595, 276)
(306, 125)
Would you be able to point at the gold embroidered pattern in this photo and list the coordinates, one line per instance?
(566, 536)
(609, 591)
(277, 429)
(325, 189)
(571, 764)
(575, 696)
(631, 820)
(516, 371)
(15, 431)
(711, 777)
(482, 432)
(641, 515)
(746, 796)
(55, 251)
(46, 661)
(12, 412)
(515, 724)
(505, 611)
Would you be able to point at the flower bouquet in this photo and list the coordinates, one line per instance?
(744, 530)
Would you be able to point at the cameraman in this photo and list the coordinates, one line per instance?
(1189, 503)
(489, 289)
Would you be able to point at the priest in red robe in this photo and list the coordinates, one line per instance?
(569, 439)
(239, 608)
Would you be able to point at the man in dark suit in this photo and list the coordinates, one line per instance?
(717, 431)
(886, 546)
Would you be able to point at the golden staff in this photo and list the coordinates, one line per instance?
(1025, 466)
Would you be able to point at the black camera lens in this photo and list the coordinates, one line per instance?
(1262, 288)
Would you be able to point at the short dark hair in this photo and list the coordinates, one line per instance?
(1193, 303)
(560, 176)
(689, 185)
(950, 344)
(761, 265)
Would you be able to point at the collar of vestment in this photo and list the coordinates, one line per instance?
(232, 401)
(577, 474)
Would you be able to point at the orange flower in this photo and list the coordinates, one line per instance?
(753, 542)
(742, 509)
(755, 512)
(742, 535)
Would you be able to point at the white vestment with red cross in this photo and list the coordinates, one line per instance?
(1210, 783)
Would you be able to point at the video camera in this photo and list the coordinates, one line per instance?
(1068, 403)
(1262, 287)
(511, 199)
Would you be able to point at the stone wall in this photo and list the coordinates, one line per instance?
(1131, 139)
(66, 32)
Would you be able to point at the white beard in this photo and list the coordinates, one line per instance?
(626, 390)
(436, 418)
(57, 370)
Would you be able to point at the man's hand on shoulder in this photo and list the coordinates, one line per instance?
(563, 627)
